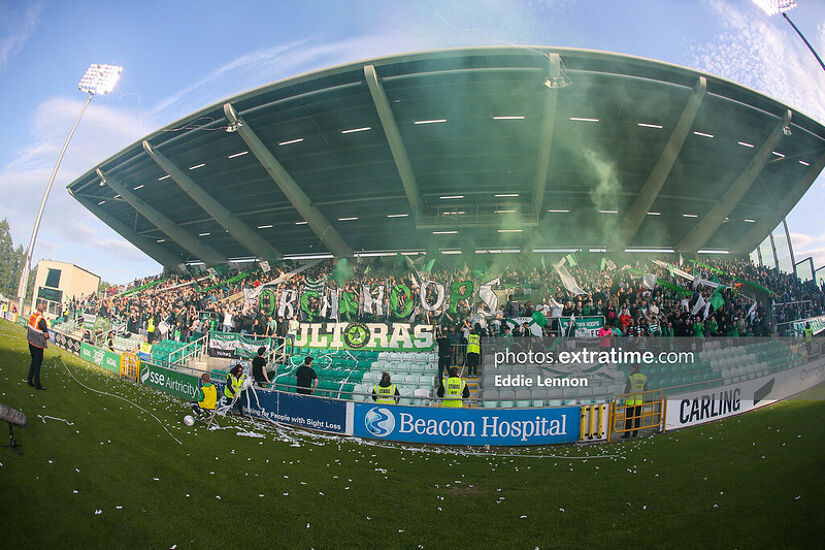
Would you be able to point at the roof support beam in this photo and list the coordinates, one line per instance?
(302, 203)
(239, 230)
(399, 151)
(661, 170)
(548, 124)
(186, 240)
(709, 225)
(147, 246)
(767, 224)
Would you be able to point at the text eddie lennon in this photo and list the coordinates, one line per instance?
(538, 381)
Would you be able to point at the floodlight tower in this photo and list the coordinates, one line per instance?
(99, 79)
(772, 7)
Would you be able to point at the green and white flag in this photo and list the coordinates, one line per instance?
(314, 285)
(535, 328)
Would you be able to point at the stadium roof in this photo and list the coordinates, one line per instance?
(466, 149)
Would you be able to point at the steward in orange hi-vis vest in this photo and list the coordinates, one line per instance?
(37, 334)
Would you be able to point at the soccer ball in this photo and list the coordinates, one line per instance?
(188, 420)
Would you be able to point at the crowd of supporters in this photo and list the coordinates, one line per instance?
(188, 305)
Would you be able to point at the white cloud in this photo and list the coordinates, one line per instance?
(763, 53)
(16, 26)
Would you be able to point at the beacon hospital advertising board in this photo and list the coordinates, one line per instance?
(689, 409)
(448, 426)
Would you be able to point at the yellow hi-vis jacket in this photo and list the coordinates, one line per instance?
(809, 335)
(384, 394)
(34, 335)
(453, 392)
(233, 385)
(637, 384)
(473, 341)
(210, 397)
(150, 325)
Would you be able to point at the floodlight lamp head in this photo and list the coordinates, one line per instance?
(787, 130)
(556, 76)
(99, 79)
(774, 7)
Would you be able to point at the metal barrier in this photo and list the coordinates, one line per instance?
(129, 366)
(194, 349)
(626, 418)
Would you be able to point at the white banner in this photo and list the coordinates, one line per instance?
(568, 281)
(689, 409)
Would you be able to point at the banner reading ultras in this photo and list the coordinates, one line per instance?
(366, 336)
(466, 426)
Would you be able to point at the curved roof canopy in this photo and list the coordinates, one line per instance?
(464, 150)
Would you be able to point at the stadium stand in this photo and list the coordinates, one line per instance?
(186, 307)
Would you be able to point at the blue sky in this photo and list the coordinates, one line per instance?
(180, 56)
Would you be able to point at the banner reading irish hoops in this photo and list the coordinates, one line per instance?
(231, 345)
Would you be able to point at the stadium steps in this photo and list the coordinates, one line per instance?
(475, 389)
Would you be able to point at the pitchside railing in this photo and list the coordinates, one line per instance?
(192, 351)
(627, 417)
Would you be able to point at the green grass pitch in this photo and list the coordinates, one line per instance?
(115, 479)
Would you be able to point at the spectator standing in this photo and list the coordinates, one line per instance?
(259, 369)
(306, 378)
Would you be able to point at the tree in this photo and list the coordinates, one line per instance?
(11, 261)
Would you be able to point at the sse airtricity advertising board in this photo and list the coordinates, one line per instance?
(448, 426)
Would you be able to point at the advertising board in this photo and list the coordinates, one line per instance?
(180, 384)
(102, 358)
(453, 426)
(690, 409)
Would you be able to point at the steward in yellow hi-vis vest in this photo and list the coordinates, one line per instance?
(37, 334)
(453, 390)
(809, 338)
(234, 385)
(634, 402)
(385, 391)
(207, 398)
(473, 352)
